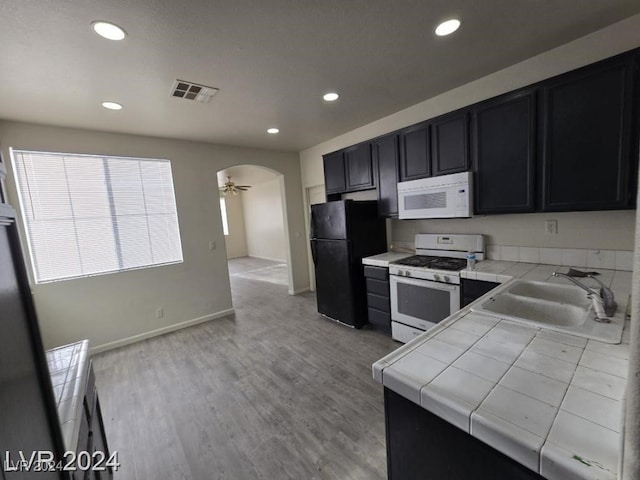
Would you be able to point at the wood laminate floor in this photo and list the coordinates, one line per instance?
(272, 392)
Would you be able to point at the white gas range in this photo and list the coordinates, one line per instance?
(425, 288)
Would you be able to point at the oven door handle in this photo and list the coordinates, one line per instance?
(449, 287)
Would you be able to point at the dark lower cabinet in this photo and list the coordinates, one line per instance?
(415, 154)
(378, 300)
(92, 437)
(587, 119)
(358, 168)
(421, 445)
(504, 154)
(385, 154)
(334, 174)
(450, 144)
(471, 290)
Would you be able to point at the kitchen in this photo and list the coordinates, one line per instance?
(507, 236)
(517, 241)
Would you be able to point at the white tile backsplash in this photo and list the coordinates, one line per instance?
(624, 260)
(509, 254)
(551, 256)
(573, 257)
(529, 255)
(568, 257)
(601, 259)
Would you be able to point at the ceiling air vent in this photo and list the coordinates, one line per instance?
(193, 91)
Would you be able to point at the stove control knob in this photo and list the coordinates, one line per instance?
(436, 277)
(407, 273)
(446, 278)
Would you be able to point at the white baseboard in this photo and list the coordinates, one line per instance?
(299, 291)
(160, 331)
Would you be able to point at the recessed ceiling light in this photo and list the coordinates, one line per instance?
(448, 27)
(273, 130)
(108, 30)
(112, 105)
(330, 97)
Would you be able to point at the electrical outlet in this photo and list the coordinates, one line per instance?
(159, 313)
(212, 244)
(551, 227)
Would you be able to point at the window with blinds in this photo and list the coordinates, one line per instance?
(88, 215)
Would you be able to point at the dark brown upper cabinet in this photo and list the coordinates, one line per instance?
(450, 144)
(334, 174)
(568, 143)
(504, 154)
(386, 156)
(587, 137)
(415, 154)
(358, 168)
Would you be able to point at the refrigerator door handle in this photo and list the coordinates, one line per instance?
(314, 253)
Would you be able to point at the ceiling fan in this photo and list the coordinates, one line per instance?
(230, 187)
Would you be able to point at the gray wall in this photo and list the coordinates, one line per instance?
(263, 221)
(114, 309)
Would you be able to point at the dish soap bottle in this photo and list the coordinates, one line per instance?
(471, 260)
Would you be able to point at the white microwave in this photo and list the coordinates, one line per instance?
(447, 196)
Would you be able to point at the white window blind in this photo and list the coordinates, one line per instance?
(87, 215)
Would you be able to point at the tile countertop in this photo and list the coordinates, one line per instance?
(69, 369)
(549, 400)
(384, 259)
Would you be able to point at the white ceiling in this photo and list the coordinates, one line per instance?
(271, 59)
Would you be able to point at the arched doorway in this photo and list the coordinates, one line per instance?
(254, 226)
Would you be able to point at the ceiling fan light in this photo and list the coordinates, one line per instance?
(231, 187)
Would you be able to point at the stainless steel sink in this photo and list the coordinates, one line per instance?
(562, 308)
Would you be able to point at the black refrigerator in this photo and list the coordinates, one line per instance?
(342, 233)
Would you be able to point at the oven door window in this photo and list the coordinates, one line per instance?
(423, 302)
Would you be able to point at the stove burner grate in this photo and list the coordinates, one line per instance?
(437, 263)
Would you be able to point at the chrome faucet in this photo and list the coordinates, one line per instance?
(603, 300)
